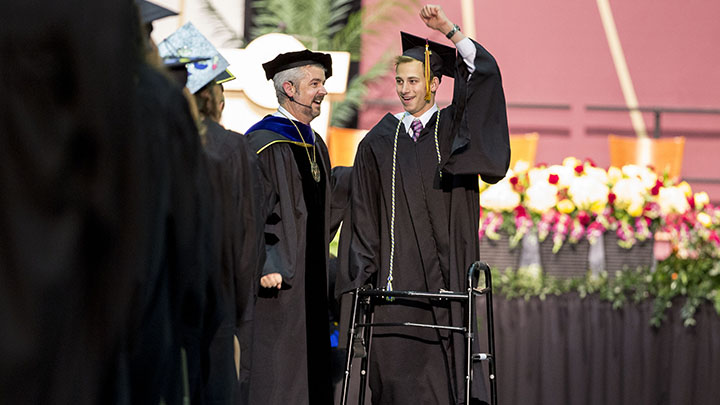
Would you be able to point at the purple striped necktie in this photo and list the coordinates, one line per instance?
(416, 126)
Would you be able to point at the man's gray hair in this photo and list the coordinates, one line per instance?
(293, 75)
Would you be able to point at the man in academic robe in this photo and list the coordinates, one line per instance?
(415, 211)
(290, 352)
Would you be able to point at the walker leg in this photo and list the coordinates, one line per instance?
(349, 355)
(366, 360)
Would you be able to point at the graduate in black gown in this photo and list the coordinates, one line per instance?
(175, 309)
(415, 212)
(290, 355)
(244, 198)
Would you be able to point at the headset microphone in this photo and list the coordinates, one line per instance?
(296, 102)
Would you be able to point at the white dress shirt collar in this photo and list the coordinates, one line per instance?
(407, 119)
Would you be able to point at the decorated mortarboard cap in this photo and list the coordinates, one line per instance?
(150, 12)
(441, 57)
(204, 62)
(290, 60)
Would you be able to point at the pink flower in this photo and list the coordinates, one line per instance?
(611, 198)
(579, 169)
(553, 179)
(713, 237)
(583, 217)
(656, 188)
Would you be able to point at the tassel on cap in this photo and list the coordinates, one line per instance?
(427, 71)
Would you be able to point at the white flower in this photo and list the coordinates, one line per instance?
(571, 162)
(541, 197)
(521, 166)
(672, 199)
(500, 197)
(566, 174)
(586, 191)
(647, 177)
(537, 175)
(629, 192)
(614, 174)
(701, 200)
(597, 173)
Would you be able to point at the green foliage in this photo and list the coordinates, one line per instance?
(221, 26)
(697, 280)
(357, 90)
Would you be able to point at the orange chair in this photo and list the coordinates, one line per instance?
(664, 154)
(342, 144)
(523, 147)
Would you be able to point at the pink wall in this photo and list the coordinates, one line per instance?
(555, 51)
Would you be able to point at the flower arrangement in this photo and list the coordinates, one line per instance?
(577, 200)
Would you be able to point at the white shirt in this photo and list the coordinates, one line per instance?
(466, 49)
(409, 118)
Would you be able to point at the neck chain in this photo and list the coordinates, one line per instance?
(314, 169)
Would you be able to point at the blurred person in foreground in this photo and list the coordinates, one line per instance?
(72, 200)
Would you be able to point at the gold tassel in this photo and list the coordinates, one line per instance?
(427, 71)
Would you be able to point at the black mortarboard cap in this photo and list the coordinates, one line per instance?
(150, 12)
(289, 60)
(442, 57)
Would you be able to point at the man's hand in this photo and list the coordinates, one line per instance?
(434, 17)
(272, 280)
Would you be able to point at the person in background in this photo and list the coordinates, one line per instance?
(245, 199)
(176, 302)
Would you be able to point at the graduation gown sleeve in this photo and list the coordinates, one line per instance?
(284, 228)
(359, 240)
(340, 197)
(481, 144)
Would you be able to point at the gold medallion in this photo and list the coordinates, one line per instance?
(315, 170)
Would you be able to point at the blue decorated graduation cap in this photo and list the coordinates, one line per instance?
(189, 48)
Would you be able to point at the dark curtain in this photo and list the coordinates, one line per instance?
(568, 350)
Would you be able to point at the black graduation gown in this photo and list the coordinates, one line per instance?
(242, 203)
(291, 345)
(70, 199)
(436, 233)
(175, 304)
